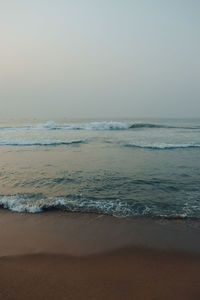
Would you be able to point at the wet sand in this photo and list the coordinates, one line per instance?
(86, 256)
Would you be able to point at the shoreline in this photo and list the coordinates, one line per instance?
(60, 255)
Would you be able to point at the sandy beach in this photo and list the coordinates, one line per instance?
(100, 150)
(58, 255)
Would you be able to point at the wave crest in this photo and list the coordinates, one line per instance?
(163, 146)
(40, 143)
(149, 125)
(88, 126)
(103, 125)
(116, 207)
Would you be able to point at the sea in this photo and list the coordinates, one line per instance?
(120, 167)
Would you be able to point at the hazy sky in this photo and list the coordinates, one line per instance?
(99, 58)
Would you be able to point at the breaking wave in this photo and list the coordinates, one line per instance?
(111, 125)
(116, 207)
(40, 143)
(163, 146)
(149, 125)
(89, 126)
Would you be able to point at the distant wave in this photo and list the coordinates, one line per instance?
(116, 207)
(163, 146)
(149, 125)
(40, 143)
(89, 126)
(111, 125)
(99, 126)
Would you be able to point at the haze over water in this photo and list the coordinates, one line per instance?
(97, 58)
(77, 78)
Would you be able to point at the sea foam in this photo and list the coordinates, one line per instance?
(40, 143)
(103, 125)
(162, 146)
(87, 126)
(115, 207)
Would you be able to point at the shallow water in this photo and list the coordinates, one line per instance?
(124, 167)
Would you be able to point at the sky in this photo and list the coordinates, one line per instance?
(99, 58)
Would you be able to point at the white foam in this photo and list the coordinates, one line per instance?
(162, 146)
(19, 205)
(105, 126)
(39, 142)
(115, 207)
(51, 125)
(23, 204)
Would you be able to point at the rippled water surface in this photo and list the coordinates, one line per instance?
(118, 167)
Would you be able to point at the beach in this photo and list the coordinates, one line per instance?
(60, 255)
(100, 150)
(99, 209)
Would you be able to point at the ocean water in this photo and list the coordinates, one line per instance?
(124, 168)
